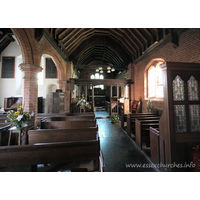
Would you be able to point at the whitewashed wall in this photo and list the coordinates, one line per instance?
(14, 86)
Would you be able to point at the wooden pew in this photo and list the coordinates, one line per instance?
(4, 132)
(125, 116)
(61, 135)
(3, 124)
(3, 116)
(72, 118)
(42, 153)
(155, 145)
(41, 116)
(68, 118)
(2, 120)
(142, 129)
(68, 124)
(80, 114)
(63, 118)
(131, 121)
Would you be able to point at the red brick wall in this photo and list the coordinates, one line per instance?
(187, 51)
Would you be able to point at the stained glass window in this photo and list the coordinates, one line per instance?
(178, 89)
(194, 118)
(180, 118)
(193, 91)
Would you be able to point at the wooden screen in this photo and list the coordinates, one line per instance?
(180, 121)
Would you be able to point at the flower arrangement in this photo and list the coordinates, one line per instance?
(19, 118)
(114, 118)
(149, 104)
(82, 102)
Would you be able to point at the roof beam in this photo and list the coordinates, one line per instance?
(64, 33)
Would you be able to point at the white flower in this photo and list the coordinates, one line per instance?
(32, 114)
(19, 117)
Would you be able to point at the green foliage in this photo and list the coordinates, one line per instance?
(149, 104)
(19, 118)
(114, 118)
(83, 103)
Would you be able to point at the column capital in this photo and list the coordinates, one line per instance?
(30, 67)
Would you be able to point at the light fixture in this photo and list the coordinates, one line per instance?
(113, 69)
(100, 68)
(108, 71)
(101, 71)
(108, 68)
(97, 70)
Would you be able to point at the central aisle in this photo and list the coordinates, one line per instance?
(120, 153)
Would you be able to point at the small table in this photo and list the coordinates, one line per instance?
(14, 130)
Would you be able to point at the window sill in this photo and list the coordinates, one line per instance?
(154, 99)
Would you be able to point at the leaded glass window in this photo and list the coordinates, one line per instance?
(194, 118)
(180, 118)
(178, 89)
(193, 91)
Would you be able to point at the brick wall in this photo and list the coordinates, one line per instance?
(187, 51)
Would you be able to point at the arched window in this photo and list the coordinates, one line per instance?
(92, 76)
(97, 76)
(154, 80)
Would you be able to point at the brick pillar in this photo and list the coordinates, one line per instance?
(132, 86)
(61, 84)
(69, 73)
(67, 97)
(30, 96)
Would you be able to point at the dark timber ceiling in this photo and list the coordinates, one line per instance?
(115, 46)
(5, 38)
(118, 46)
(91, 47)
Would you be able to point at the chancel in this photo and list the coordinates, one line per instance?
(71, 81)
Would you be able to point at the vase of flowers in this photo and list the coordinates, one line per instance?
(18, 119)
(82, 103)
(114, 118)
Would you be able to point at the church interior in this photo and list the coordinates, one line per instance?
(99, 99)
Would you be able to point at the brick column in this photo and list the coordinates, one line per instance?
(69, 72)
(61, 84)
(30, 96)
(131, 86)
(67, 97)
